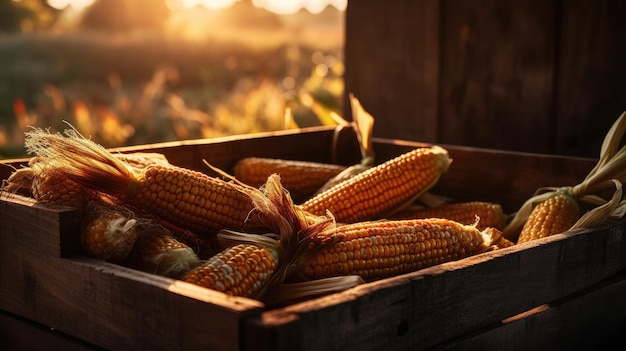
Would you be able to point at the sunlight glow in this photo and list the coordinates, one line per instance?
(292, 6)
(76, 4)
(209, 4)
(277, 6)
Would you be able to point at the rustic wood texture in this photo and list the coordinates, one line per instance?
(100, 303)
(591, 74)
(392, 64)
(533, 76)
(430, 308)
(320, 144)
(593, 319)
(16, 333)
(496, 76)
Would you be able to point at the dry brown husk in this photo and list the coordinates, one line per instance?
(609, 174)
(363, 125)
(292, 232)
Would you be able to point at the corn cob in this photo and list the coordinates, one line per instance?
(554, 215)
(188, 199)
(108, 233)
(609, 174)
(254, 265)
(301, 178)
(50, 186)
(240, 270)
(157, 251)
(381, 249)
(383, 188)
(482, 214)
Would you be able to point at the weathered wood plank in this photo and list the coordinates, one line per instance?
(101, 303)
(428, 308)
(321, 144)
(591, 74)
(592, 319)
(532, 76)
(392, 64)
(497, 74)
(16, 333)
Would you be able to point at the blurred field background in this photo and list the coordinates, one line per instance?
(129, 72)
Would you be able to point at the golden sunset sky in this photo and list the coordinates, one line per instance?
(277, 6)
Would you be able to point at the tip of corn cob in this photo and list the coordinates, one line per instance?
(80, 159)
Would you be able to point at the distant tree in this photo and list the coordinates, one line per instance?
(26, 15)
(243, 14)
(125, 15)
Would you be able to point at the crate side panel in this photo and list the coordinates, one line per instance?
(592, 319)
(315, 144)
(430, 307)
(17, 333)
(105, 304)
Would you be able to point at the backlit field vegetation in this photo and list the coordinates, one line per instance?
(128, 90)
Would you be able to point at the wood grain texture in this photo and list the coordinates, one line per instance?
(17, 333)
(392, 64)
(592, 319)
(531, 76)
(591, 74)
(497, 74)
(429, 308)
(105, 304)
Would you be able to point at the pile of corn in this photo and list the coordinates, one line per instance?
(245, 235)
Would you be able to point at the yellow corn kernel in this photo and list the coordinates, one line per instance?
(301, 178)
(108, 233)
(49, 185)
(554, 215)
(158, 252)
(383, 188)
(483, 214)
(190, 199)
(381, 249)
(240, 270)
(184, 198)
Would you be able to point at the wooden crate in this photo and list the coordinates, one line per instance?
(555, 291)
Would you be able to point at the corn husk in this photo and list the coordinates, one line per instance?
(609, 174)
(363, 125)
